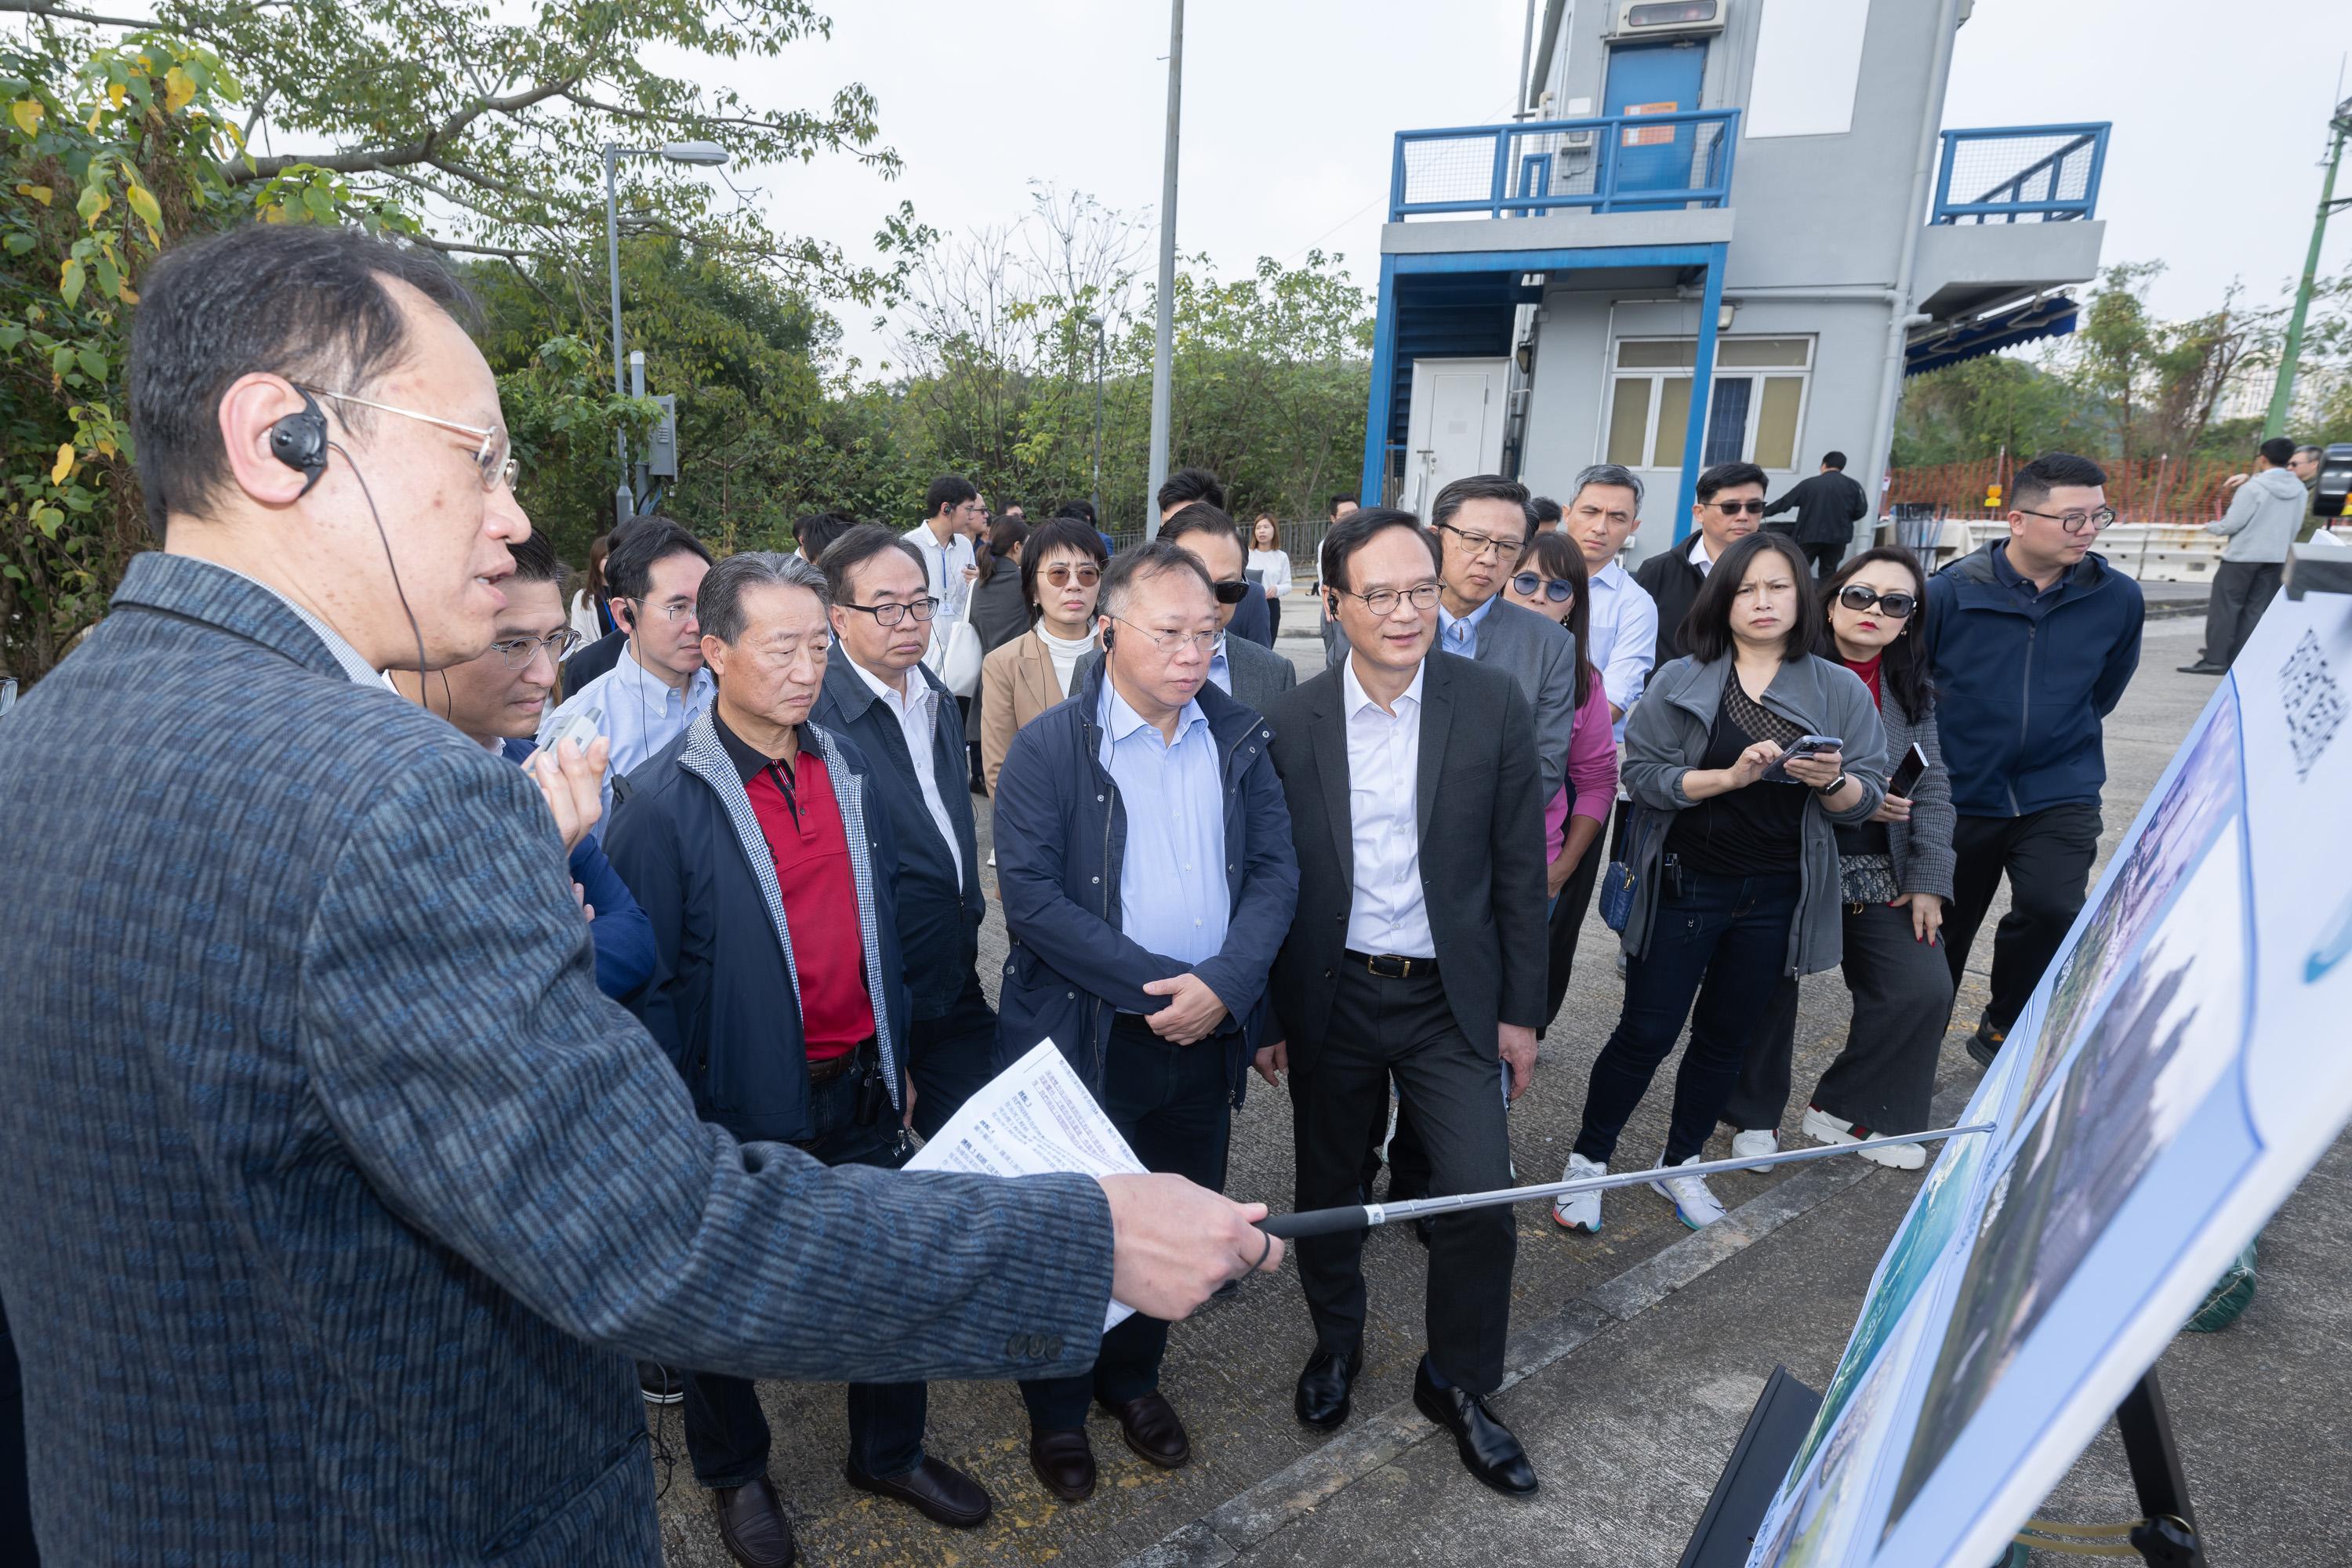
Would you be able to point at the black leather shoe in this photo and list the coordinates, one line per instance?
(2204, 666)
(1064, 1462)
(1487, 1449)
(1986, 1043)
(752, 1526)
(1152, 1430)
(1325, 1386)
(940, 1493)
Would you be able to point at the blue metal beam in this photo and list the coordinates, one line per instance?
(1580, 258)
(1376, 424)
(1702, 390)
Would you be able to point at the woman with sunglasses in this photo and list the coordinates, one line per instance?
(1549, 579)
(1062, 565)
(1733, 852)
(1896, 876)
(1271, 561)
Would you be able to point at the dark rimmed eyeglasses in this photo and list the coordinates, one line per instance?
(1382, 602)
(1477, 545)
(1755, 507)
(922, 609)
(2077, 521)
(1897, 606)
(1559, 589)
(1231, 593)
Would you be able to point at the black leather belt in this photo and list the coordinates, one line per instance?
(832, 1067)
(1392, 966)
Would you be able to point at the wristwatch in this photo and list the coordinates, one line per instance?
(1832, 787)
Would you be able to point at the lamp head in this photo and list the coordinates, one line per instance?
(708, 154)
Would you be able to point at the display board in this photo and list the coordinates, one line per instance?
(2180, 1067)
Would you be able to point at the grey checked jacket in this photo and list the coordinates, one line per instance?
(335, 1197)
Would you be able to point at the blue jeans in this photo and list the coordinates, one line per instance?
(1724, 940)
(726, 1431)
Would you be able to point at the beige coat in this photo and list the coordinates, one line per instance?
(1016, 684)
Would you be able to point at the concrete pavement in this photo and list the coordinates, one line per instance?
(1636, 1353)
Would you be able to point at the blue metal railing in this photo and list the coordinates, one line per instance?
(2020, 174)
(1613, 162)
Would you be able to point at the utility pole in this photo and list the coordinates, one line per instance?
(1163, 347)
(2283, 393)
(1525, 91)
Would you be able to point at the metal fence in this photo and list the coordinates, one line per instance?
(2020, 174)
(2143, 489)
(1300, 541)
(1619, 163)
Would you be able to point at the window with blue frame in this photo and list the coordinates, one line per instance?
(1755, 408)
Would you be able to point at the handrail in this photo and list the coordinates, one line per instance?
(1606, 144)
(2005, 198)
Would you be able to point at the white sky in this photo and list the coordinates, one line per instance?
(2219, 117)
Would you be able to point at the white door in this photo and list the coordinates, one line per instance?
(1456, 425)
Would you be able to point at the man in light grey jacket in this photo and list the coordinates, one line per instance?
(2264, 513)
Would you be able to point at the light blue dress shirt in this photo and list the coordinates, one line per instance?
(642, 713)
(1461, 636)
(1172, 894)
(1221, 672)
(1621, 636)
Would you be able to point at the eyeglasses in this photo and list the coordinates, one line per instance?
(1559, 589)
(1734, 508)
(2077, 521)
(674, 612)
(922, 609)
(1060, 576)
(1231, 593)
(1173, 643)
(1382, 602)
(518, 651)
(498, 465)
(1897, 606)
(1478, 545)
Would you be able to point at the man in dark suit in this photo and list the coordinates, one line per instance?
(1827, 505)
(1417, 950)
(1730, 507)
(1251, 674)
(881, 694)
(322, 1144)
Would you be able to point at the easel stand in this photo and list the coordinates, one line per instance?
(2163, 1536)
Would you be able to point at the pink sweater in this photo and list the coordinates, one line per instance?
(1591, 768)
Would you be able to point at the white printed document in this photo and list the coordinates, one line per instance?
(1034, 1119)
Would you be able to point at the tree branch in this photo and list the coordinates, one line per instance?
(384, 160)
(58, 13)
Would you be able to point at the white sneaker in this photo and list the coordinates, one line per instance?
(1755, 1142)
(1580, 1211)
(1823, 1128)
(1693, 1204)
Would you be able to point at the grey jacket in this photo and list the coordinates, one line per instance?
(337, 1198)
(1666, 736)
(2263, 517)
(1922, 847)
(1259, 674)
(1540, 655)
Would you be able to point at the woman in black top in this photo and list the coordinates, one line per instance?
(1896, 876)
(1743, 889)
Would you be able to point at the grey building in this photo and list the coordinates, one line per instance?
(1720, 230)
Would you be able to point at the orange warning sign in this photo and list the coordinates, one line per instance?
(1658, 137)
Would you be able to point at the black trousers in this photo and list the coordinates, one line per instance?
(16, 1546)
(1824, 557)
(1405, 1028)
(726, 1431)
(951, 1056)
(1273, 614)
(1885, 1076)
(1722, 941)
(2047, 855)
(2243, 590)
(1173, 1104)
(1567, 922)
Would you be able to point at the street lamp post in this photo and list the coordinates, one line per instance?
(1096, 321)
(706, 154)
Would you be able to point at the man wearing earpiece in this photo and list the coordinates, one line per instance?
(336, 1194)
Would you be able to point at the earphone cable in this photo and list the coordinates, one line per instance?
(377, 518)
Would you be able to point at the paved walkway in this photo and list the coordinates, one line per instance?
(1636, 1355)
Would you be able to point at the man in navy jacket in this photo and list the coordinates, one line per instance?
(879, 696)
(759, 848)
(1143, 850)
(2032, 639)
(496, 701)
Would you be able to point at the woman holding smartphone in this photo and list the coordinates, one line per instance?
(1740, 887)
(1895, 875)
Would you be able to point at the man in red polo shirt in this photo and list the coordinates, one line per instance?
(780, 995)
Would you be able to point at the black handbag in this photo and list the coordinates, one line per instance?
(1639, 833)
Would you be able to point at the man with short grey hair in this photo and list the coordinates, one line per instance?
(761, 850)
(1621, 626)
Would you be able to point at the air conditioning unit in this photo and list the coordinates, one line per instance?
(1638, 20)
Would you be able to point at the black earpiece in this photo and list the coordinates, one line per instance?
(299, 441)
(1109, 632)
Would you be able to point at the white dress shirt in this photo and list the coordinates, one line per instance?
(642, 713)
(1621, 636)
(945, 565)
(1699, 557)
(1387, 915)
(917, 712)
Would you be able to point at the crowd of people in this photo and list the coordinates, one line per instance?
(1366, 886)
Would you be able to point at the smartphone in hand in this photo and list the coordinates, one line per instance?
(1802, 746)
